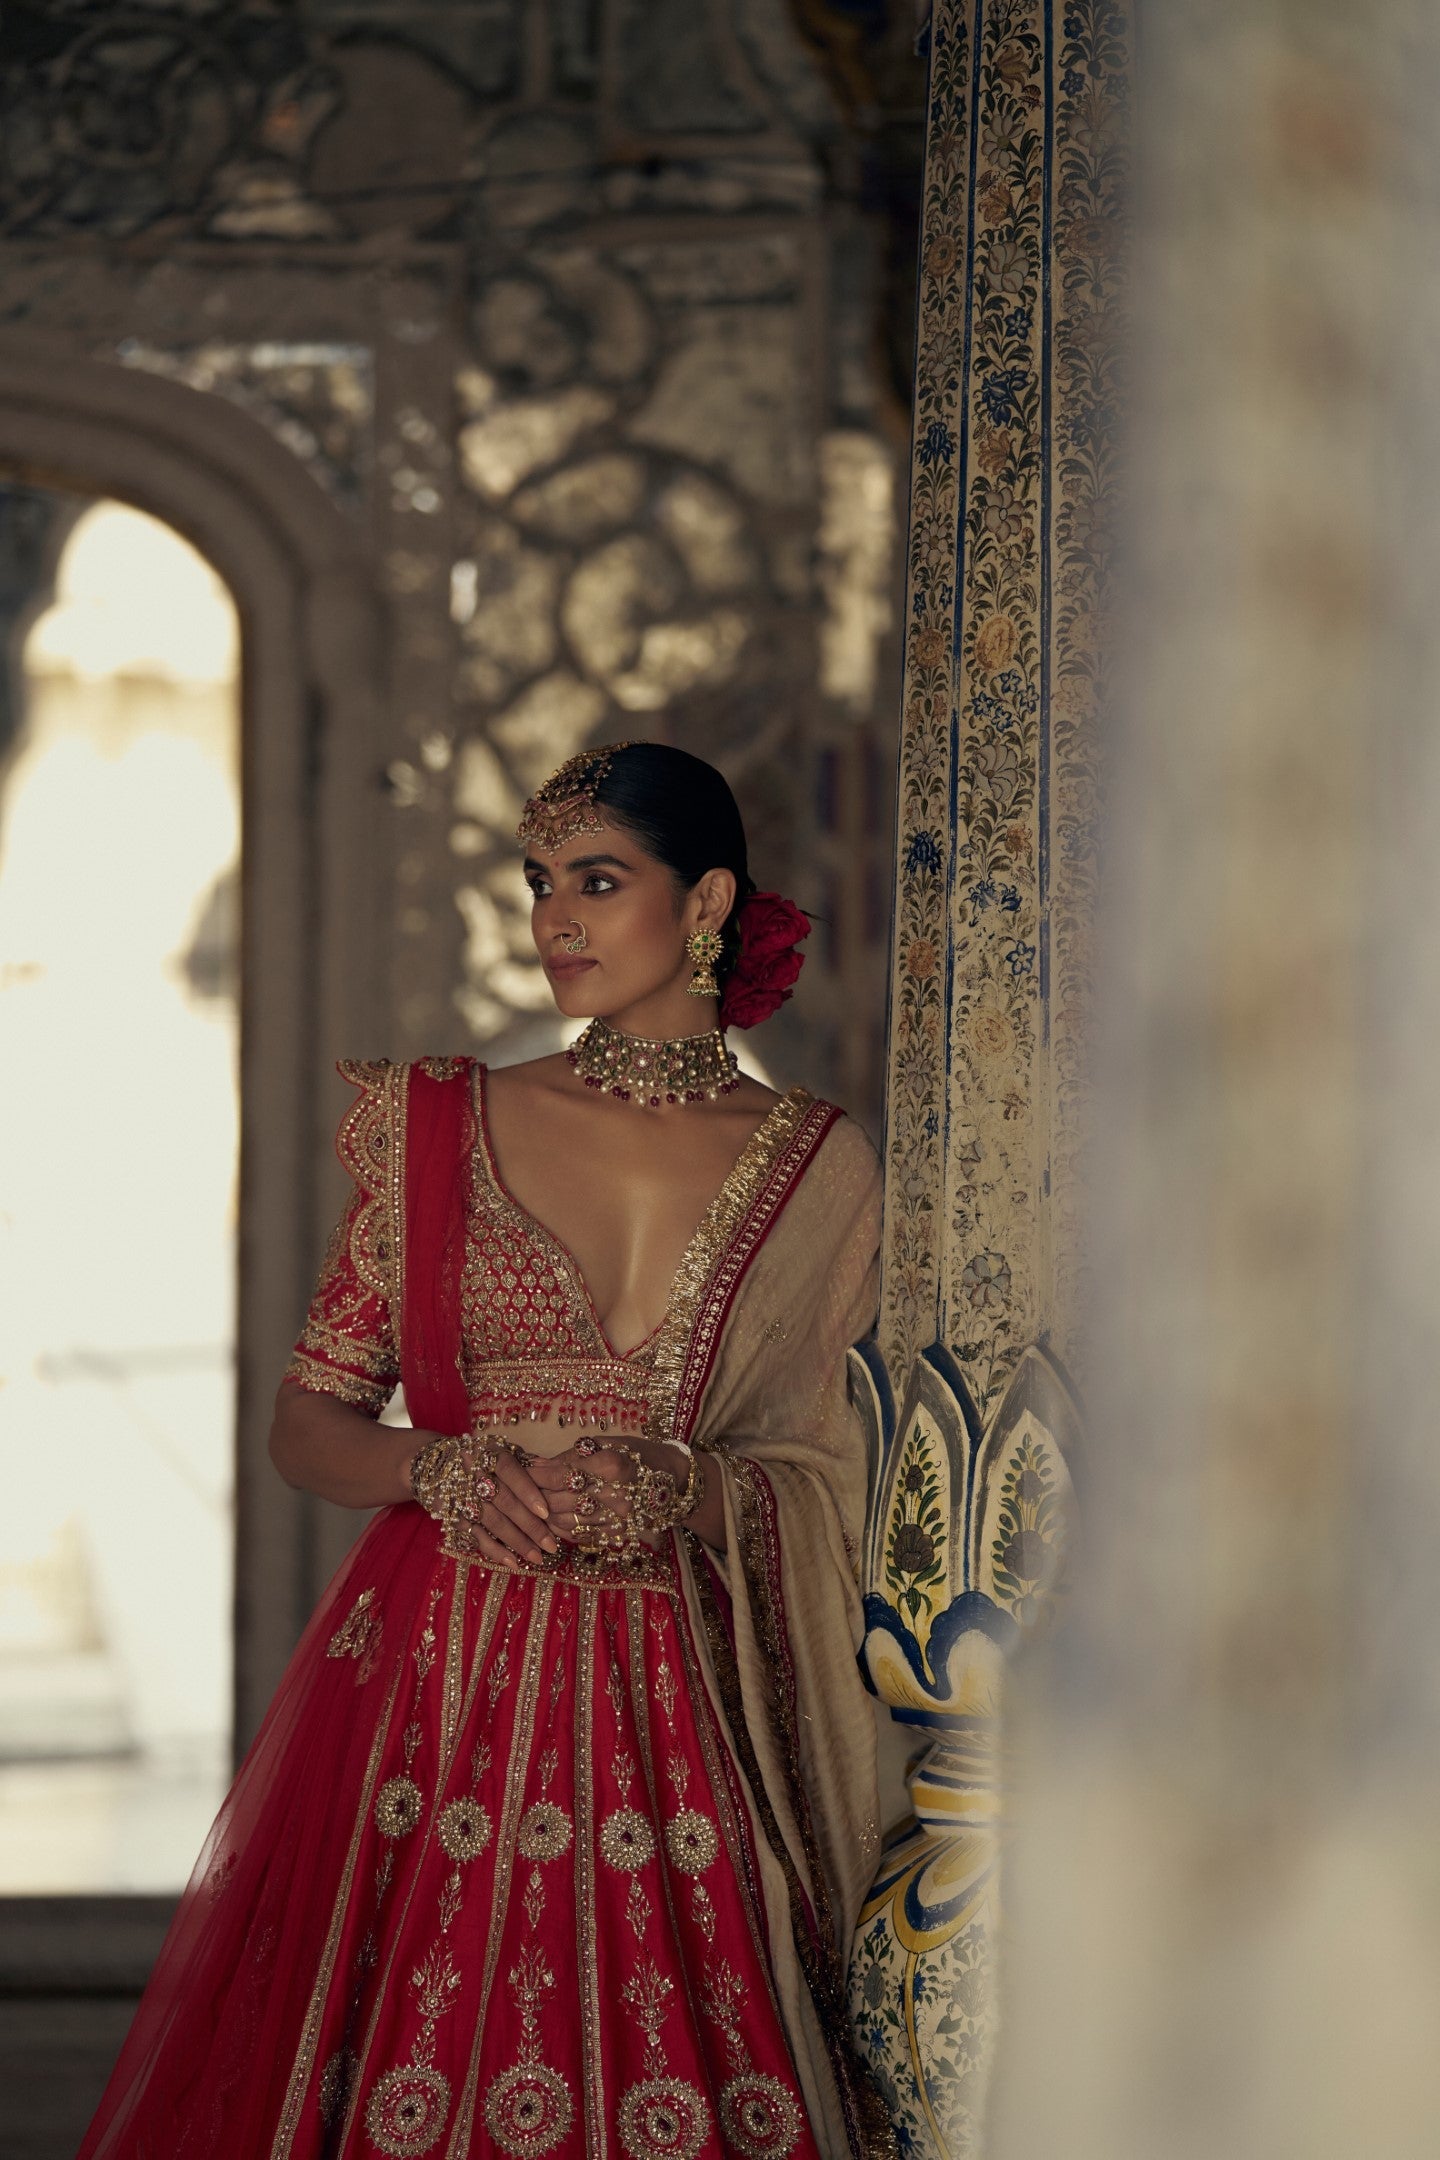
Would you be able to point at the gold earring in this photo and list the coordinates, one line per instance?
(578, 942)
(703, 947)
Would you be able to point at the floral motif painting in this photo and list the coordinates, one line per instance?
(1013, 475)
(1014, 472)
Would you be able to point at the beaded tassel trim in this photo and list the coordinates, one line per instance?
(651, 1070)
(519, 1391)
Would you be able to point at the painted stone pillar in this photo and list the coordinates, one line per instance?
(971, 1413)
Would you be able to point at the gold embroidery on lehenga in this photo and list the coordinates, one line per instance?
(691, 1841)
(688, 1834)
(498, 1678)
(522, 1732)
(399, 1800)
(399, 1804)
(734, 1837)
(587, 1948)
(406, 2111)
(758, 2113)
(528, 2108)
(304, 2062)
(627, 1837)
(663, 2117)
(463, 1830)
(627, 1841)
(358, 1636)
(454, 1656)
(423, 1658)
(545, 1831)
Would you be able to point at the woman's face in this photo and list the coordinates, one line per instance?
(635, 921)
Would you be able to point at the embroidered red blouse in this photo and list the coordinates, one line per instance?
(531, 1339)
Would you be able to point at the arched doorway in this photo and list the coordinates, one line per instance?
(316, 877)
(119, 981)
(312, 641)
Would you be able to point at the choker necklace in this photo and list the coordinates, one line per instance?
(649, 1070)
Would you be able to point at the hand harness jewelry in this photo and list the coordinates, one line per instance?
(655, 1502)
(650, 1070)
(452, 1477)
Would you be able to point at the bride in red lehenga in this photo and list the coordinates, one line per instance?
(553, 1838)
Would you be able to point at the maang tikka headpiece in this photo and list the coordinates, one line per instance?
(564, 805)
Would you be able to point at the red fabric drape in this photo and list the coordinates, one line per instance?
(439, 1137)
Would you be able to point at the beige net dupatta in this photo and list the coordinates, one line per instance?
(751, 1368)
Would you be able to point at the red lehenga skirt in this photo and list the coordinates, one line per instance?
(483, 1885)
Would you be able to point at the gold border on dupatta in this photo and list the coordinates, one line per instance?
(721, 1248)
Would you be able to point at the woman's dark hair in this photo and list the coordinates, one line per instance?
(682, 812)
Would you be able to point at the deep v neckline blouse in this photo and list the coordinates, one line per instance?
(756, 1146)
(502, 1326)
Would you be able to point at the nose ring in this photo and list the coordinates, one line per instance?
(578, 942)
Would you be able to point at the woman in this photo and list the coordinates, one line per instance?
(553, 1838)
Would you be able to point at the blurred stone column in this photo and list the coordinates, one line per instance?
(1224, 1904)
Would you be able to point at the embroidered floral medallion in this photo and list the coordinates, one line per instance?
(528, 2109)
(691, 1841)
(627, 1841)
(760, 2117)
(545, 1831)
(663, 2119)
(406, 2112)
(463, 1829)
(399, 1805)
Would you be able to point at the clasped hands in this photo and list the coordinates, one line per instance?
(498, 1502)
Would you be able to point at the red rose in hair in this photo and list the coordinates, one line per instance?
(769, 966)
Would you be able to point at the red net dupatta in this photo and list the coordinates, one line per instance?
(439, 1139)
